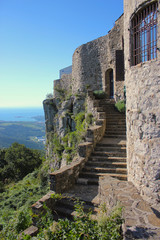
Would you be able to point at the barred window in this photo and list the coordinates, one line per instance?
(144, 34)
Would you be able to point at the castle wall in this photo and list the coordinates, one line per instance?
(143, 114)
(65, 83)
(93, 59)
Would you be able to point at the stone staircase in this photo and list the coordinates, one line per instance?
(109, 156)
(108, 159)
(65, 207)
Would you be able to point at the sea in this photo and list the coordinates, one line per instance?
(22, 114)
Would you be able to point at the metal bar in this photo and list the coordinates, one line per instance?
(144, 34)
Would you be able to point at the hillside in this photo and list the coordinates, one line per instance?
(26, 133)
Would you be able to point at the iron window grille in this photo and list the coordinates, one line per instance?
(144, 34)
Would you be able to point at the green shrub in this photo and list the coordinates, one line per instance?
(80, 121)
(18, 161)
(23, 221)
(49, 96)
(58, 147)
(99, 94)
(83, 227)
(121, 107)
(89, 118)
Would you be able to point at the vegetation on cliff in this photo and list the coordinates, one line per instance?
(66, 147)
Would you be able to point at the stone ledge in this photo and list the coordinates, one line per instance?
(64, 178)
(31, 231)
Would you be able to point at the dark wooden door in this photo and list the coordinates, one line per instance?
(111, 84)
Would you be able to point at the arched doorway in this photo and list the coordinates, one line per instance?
(109, 83)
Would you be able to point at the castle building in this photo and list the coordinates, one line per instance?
(128, 57)
(142, 80)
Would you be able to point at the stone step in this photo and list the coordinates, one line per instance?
(104, 170)
(107, 164)
(104, 102)
(64, 208)
(112, 145)
(62, 212)
(115, 115)
(110, 149)
(115, 136)
(113, 132)
(116, 125)
(107, 159)
(69, 203)
(115, 120)
(108, 109)
(99, 109)
(115, 128)
(94, 175)
(109, 154)
(87, 181)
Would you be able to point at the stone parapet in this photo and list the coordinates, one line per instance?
(85, 149)
(65, 178)
(95, 133)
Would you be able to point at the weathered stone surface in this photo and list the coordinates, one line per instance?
(50, 110)
(64, 83)
(92, 60)
(153, 220)
(65, 178)
(143, 113)
(142, 221)
(32, 231)
(143, 206)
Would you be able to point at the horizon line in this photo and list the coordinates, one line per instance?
(21, 106)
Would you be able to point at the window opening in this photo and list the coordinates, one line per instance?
(144, 34)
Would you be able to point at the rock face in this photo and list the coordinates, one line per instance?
(59, 119)
(50, 110)
(143, 114)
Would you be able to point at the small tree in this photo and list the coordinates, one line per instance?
(21, 161)
(49, 96)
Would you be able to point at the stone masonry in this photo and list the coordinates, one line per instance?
(143, 113)
(92, 60)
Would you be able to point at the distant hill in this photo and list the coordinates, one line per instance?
(22, 132)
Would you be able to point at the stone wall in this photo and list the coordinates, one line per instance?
(65, 83)
(92, 60)
(143, 115)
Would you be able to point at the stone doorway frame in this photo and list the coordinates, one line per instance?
(108, 87)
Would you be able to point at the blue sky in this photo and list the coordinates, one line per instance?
(38, 38)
